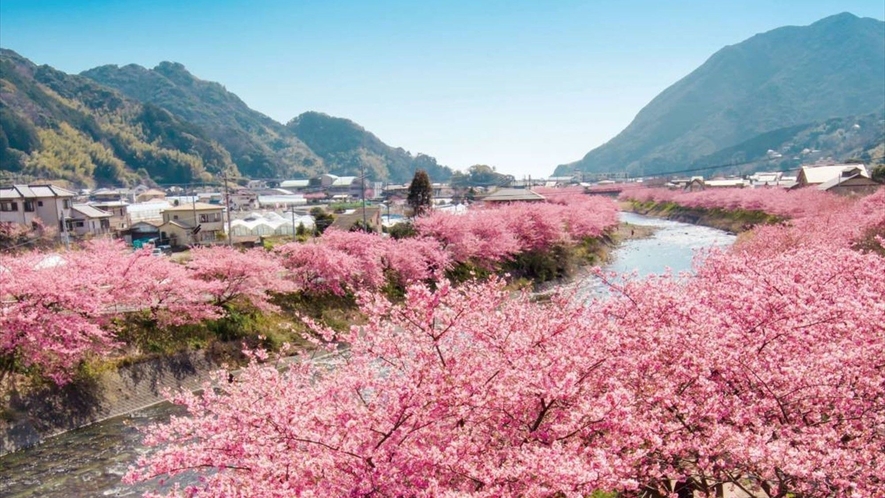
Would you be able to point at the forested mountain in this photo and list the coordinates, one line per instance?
(345, 146)
(59, 126)
(122, 125)
(784, 78)
(261, 147)
(784, 149)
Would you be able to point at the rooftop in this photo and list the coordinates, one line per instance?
(200, 206)
(514, 195)
(33, 192)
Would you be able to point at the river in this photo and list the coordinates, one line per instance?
(92, 460)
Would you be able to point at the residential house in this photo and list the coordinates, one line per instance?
(150, 194)
(340, 185)
(503, 195)
(110, 195)
(23, 204)
(816, 175)
(851, 181)
(295, 186)
(119, 214)
(243, 200)
(86, 220)
(351, 219)
(726, 183)
(192, 224)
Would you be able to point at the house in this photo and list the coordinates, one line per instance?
(119, 213)
(694, 185)
(513, 195)
(295, 186)
(349, 220)
(23, 204)
(110, 195)
(726, 183)
(87, 220)
(340, 185)
(192, 224)
(816, 175)
(141, 232)
(150, 194)
(243, 200)
(851, 181)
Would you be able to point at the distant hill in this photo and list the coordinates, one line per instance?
(790, 77)
(59, 126)
(124, 125)
(261, 147)
(784, 149)
(345, 146)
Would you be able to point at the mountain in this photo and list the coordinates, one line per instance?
(787, 77)
(124, 125)
(348, 146)
(55, 125)
(785, 149)
(261, 147)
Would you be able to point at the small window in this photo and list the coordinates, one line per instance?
(174, 216)
(66, 204)
(40, 203)
(204, 218)
(29, 206)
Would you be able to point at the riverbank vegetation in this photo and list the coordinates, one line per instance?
(762, 373)
(732, 209)
(102, 302)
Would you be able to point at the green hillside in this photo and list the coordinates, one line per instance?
(260, 146)
(784, 78)
(65, 127)
(346, 146)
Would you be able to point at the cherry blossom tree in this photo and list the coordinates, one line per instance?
(232, 275)
(763, 371)
(51, 314)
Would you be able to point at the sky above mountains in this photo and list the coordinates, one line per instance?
(519, 85)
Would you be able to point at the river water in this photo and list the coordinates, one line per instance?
(91, 461)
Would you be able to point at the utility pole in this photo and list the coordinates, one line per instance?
(194, 209)
(230, 235)
(363, 192)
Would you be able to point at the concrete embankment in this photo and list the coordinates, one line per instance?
(43, 413)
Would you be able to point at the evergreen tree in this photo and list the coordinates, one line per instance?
(420, 193)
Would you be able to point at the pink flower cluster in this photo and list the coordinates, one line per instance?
(58, 308)
(775, 201)
(764, 371)
(494, 234)
(348, 262)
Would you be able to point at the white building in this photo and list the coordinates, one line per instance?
(22, 204)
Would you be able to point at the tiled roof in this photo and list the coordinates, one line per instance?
(513, 195)
(89, 211)
(33, 192)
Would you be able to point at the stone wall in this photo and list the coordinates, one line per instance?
(52, 411)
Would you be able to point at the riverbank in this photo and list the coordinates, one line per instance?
(82, 462)
(734, 221)
(50, 411)
(129, 384)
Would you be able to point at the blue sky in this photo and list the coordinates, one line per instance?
(522, 86)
